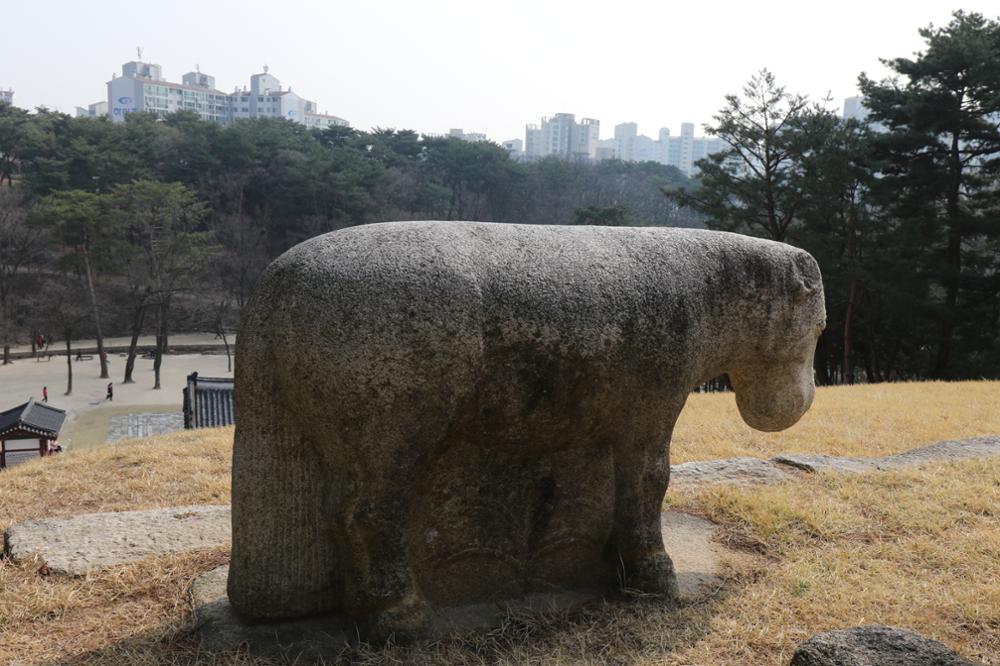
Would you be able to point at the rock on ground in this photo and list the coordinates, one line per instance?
(730, 470)
(874, 645)
(78, 544)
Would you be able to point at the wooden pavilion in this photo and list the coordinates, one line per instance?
(29, 431)
(208, 402)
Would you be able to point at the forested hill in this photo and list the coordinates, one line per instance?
(164, 224)
(297, 182)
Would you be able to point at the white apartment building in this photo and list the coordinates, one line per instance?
(93, 110)
(514, 148)
(141, 87)
(584, 138)
(561, 136)
(855, 108)
(7, 96)
(678, 151)
(532, 141)
(471, 137)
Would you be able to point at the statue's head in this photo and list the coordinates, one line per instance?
(774, 380)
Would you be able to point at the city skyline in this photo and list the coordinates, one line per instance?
(142, 86)
(442, 64)
(558, 135)
(138, 72)
(140, 69)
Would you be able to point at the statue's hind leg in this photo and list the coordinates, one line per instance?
(642, 471)
(284, 557)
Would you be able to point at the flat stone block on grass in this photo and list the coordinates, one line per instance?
(814, 462)
(941, 452)
(947, 451)
(78, 544)
(744, 470)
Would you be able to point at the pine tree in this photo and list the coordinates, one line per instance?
(940, 145)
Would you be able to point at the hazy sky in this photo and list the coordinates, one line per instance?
(484, 66)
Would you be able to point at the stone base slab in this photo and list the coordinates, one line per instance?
(688, 539)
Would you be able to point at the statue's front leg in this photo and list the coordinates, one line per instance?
(642, 471)
(384, 597)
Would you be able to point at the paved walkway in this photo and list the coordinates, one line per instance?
(179, 342)
(89, 413)
(143, 424)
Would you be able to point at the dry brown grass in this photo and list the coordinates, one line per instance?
(863, 420)
(188, 467)
(102, 617)
(916, 548)
(919, 549)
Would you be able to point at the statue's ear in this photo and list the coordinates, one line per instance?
(806, 279)
(803, 289)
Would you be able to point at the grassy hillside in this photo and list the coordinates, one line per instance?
(863, 420)
(917, 548)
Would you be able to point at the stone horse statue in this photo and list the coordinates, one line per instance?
(433, 414)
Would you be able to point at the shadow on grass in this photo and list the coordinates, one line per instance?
(618, 631)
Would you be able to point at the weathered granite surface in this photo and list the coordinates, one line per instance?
(689, 539)
(873, 645)
(78, 544)
(433, 414)
(730, 470)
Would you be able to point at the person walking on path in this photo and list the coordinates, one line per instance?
(111, 391)
(45, 394)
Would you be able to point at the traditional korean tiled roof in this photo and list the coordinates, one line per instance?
(33, 417)
(208, 402)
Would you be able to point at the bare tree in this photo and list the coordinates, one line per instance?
(163, 221)
(62, 308)
(242, 235)
(82, 225)
(20, 246)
